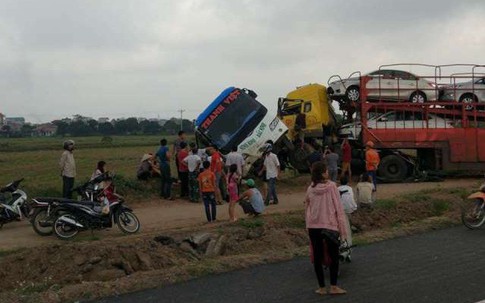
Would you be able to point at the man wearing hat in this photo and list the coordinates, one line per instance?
(251, 200)
(372, 160)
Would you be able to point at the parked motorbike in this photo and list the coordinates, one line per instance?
(13, 206)
(108, 208)
(42, 214)
(473, 211)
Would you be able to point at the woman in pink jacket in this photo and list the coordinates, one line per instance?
(325, 220)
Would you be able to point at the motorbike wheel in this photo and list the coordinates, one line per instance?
(63, 230)
(473, 214)
(128, 222)
(41, 216)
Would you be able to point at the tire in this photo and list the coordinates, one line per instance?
(417, 97)
(392, 169)
(468, 99)
(124, 218)
(64, 231)
(353, 93)
(473, 214)
(40, 215)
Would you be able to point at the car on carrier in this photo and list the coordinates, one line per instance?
(466, 92)
(395, 120)
(385, 85)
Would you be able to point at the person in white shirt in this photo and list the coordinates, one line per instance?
(348, 202)
(272, 168)
(364, 191)
(193, 162)
(235, 158)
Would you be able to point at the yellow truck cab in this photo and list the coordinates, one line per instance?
(305, 110)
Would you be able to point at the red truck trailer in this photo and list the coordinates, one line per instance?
(438, 119)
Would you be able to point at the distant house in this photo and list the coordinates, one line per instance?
(45, 130)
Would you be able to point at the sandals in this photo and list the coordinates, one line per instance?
(321, 291)
(335, 290)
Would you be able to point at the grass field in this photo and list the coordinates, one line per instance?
(36, 160)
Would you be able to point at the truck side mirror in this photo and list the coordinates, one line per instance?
(252, 94)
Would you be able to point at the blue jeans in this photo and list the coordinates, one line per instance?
(210, 206)
(166, 182)
(271, 191)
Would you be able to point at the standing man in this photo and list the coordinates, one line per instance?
(164, 155)
(331, 159)
(177, 148)
(372, 161)
(235, 158)
(68, 169)
(346, 159)
(193, 162)
(183, 170)
(272, 167)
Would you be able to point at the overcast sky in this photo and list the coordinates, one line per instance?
(150, 58)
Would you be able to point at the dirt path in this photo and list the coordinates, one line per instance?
(161, 215)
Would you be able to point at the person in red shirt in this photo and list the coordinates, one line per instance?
(207, 185)
(216, 166)
(183, 170)
(346, 159)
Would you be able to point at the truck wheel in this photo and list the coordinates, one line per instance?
(393, 169)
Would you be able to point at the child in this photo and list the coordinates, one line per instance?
(348, 202)
(232, 181)
(364, 190)
(207, 185)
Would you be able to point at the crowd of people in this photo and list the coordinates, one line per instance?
(207, 175)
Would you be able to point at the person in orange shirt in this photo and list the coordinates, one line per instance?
(372, 160)
(207, 185)
(216, 166)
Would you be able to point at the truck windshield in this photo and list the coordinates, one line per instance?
(233, 120)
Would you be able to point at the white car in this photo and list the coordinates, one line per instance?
(395, 120)
(467, 92)
(386, 85)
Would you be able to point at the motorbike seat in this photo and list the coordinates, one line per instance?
(51, 200)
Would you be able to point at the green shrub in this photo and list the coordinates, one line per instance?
(385, 204)
(439, 207)
(251, 223)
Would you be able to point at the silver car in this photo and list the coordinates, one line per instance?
(395, 120)
(467, 92)
(386, 85)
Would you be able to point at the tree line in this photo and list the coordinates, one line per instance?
(130, 126)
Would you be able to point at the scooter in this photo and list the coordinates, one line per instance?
(13, 203)
(43, 213)
(108, 208)
(473, 210)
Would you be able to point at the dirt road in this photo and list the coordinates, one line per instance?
(162, 215)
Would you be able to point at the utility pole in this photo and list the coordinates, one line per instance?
(181, 118)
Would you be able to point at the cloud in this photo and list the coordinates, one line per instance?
(150, 58)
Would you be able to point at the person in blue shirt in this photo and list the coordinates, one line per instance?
(251, 200)
(163, 155)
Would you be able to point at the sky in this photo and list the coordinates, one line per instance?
(152, 58)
